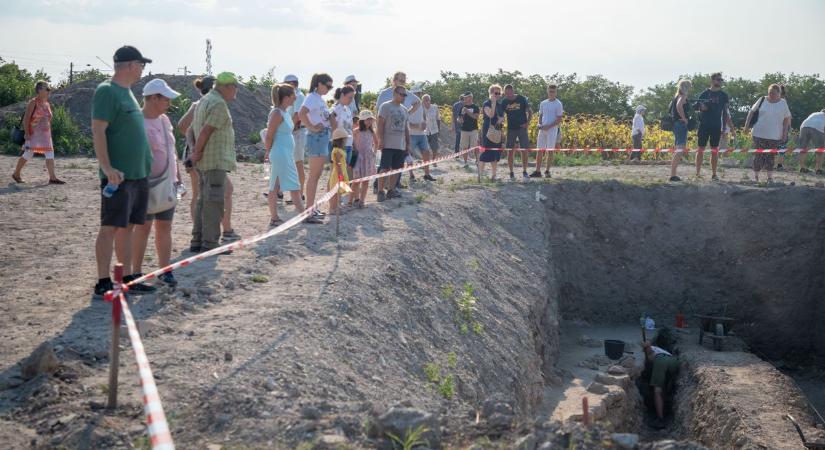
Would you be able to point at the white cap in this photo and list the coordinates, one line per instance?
(641, 108)
(290, 79)
(350, 79)
(158, 86)
(416, 89)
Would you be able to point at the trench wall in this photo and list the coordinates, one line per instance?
(619, 250)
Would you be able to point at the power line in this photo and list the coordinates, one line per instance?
(48, 54)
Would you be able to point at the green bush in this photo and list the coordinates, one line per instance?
(67, 137)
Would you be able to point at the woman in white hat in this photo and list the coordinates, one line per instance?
(157, 98)
(637, 133)
(365, 141)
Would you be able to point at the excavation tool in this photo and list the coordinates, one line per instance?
(818, 445)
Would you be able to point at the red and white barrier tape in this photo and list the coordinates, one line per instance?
(159, 434)
(658, 150)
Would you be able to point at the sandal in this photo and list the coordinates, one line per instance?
(275, 222)
(313, 219)
(56, 181)
(17, 178)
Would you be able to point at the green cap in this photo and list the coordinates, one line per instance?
(226, 78)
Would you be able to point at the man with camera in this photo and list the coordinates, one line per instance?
(713, 116)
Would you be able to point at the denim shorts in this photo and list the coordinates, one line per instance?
(680, 133)
(318, 144)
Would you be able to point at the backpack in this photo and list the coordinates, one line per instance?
(674, 116)
(755, 115)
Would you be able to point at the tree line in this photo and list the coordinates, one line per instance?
(596, 95)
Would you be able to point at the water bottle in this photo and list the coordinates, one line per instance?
(650, 324)
(267, 170)
(180, 190)
(109, 190)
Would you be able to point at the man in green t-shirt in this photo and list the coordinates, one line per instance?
(125, 160)
(214, 157)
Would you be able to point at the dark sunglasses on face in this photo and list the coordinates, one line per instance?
(403, 94)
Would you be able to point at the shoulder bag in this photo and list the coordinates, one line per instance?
(18, 135)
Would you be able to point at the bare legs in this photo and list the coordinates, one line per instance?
(122, 240)
(163, 243)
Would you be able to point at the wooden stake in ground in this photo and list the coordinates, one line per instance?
(114, 348)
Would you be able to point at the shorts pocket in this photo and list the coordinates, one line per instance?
(214, 192)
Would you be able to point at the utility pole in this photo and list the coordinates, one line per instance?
(184, 69)
(208, 57)
(71, 73)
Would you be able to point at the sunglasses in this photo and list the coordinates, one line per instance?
(328, 85)
(403, 94)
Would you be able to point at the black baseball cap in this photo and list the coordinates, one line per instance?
(128, 53)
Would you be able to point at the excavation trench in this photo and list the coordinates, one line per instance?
(617, 251)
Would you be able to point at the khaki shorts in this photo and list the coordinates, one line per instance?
(468, 139)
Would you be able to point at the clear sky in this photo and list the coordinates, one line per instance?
(637, 42)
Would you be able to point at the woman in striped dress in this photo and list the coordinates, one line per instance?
(37, 126)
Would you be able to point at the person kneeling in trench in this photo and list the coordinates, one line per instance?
(665, 367)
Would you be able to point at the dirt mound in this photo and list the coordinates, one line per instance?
(249, 110)
(751, 254)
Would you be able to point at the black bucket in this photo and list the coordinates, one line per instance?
(614, 349)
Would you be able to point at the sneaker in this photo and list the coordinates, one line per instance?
(392, 193)
(319, 213)
(675, 178)
(230, 236)
(168, 278)
(804, 170)
(525, 175)
(715, 178)
(780, 167)
(195, 248)
(56, 181)
(382, 196)
(139, 288)
(547, 174)
(512, 176)
(429, 177)
(535, 174)
(102, 287)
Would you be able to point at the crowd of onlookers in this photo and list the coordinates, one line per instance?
(141, 183)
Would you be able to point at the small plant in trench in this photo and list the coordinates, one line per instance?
(258, 278)
(466, 302)
(411, 439)
(445, 385)
(420, 198)
(452, 360)
(447, 291)
(433, 372)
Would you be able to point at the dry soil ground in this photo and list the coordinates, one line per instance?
(301, 336)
